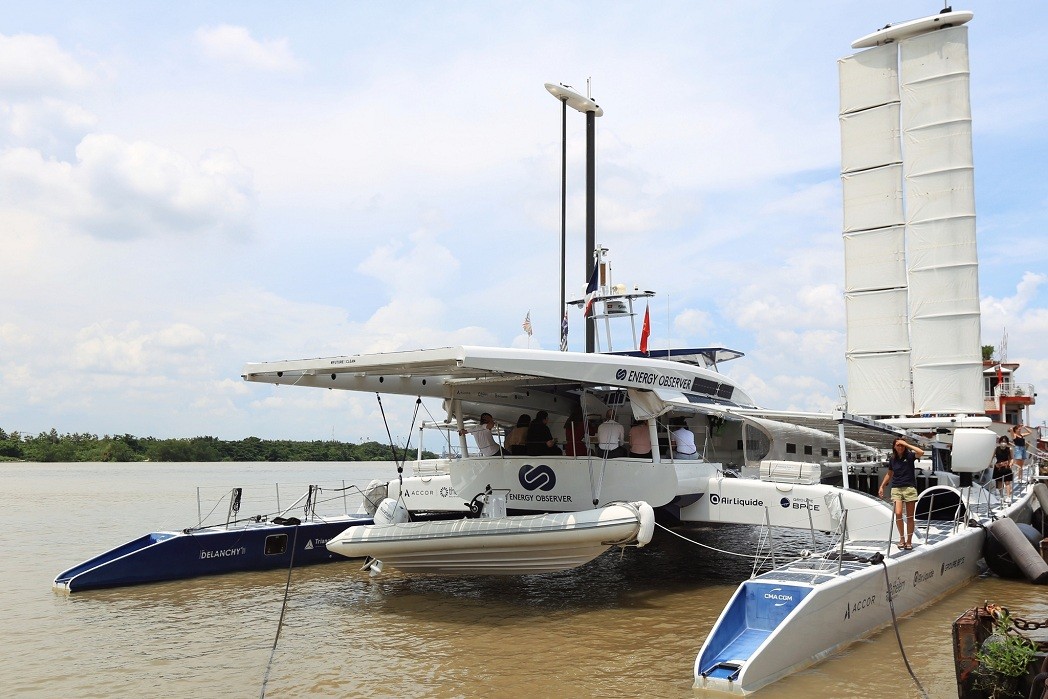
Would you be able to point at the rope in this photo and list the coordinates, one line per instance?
(895, 624)
(283, 608)
(707, 546)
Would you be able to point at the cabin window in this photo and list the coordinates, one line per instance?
(791, 448)
(824, 451)
(738, 445)
(836, 453)
(276, 544)
(807, 449)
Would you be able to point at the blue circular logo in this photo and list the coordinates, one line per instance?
(785, 502)
(620, 374)
(541, 477)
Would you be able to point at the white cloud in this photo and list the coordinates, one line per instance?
(52, 126)
(692, 322)
(131, 349)
(140, 189)
(235, 46)
(121, 190)
(37, 65)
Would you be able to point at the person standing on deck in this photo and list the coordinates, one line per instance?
(486, 443)
(1002, 466)
(1019, 435)
(903, 477)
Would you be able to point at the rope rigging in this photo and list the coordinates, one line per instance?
(879, 558)
(283, 609)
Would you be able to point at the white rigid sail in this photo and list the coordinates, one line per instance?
(911, 271)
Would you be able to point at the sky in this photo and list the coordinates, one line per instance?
(187, 187)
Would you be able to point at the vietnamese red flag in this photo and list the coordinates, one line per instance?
(645, 331)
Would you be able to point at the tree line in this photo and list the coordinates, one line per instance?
(54, 447)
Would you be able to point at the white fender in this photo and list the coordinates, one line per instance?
(646, 515)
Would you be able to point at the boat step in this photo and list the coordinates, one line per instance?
(724, 671)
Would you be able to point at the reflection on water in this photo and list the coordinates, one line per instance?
(626, 624)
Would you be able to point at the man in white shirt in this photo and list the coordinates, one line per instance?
(486, 443)
(683, 441)
(610, 436)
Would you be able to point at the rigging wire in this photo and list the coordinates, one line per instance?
(389, 435)
(400, 463)
(283, 609)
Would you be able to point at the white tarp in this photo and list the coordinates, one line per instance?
(876, 321)
(868, 79)
(879, 384)
(875, 260)
(870, 138)
(872, 198)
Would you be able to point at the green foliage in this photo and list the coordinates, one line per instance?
(987, 352)
(53, 447)
(1003, 661)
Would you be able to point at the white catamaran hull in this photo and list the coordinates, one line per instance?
(504, 546)
(788, 619)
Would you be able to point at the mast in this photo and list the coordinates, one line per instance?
(591, 208)
(592, 110)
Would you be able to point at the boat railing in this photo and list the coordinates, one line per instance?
(954, 500)
(765, 538)
(262, 503)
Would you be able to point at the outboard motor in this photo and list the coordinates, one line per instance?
(391, 511)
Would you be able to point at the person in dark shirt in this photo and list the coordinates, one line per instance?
(540, 439)
(1002, 466)
(903, 477)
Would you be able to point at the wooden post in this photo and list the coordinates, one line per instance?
(969, 631)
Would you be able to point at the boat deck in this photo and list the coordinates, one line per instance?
(854, 556)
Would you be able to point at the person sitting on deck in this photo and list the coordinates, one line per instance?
(540, 439)
(486, 443)
(640, 440)
(683, 440)
(610, 437)
(517, 440)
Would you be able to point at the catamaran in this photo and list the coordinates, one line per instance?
(913, 349)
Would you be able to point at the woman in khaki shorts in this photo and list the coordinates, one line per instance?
(903, 477)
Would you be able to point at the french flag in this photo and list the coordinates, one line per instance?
(591, 291)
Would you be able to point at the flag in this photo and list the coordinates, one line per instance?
(527, 324)
(564, 333)
(645, 330)
(591, 291)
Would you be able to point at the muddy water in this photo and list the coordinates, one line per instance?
(622, 626)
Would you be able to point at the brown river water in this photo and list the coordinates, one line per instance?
(622, 626)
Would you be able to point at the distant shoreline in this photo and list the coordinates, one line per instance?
(51, 447)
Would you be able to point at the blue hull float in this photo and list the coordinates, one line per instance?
(260, 542)
(211, 551)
